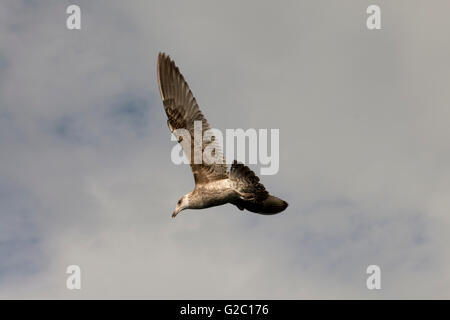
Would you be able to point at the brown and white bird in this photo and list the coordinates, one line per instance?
(214, 185)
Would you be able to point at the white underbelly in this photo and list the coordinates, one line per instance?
(217, 192)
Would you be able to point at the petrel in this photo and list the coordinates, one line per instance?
(214, 184)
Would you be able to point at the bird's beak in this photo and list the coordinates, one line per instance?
(174, 214)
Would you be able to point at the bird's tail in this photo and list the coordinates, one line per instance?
(271, 205)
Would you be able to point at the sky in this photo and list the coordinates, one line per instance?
(85, 170)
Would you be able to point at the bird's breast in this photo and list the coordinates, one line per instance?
(216, 193)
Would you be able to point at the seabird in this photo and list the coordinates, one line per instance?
(214, 184)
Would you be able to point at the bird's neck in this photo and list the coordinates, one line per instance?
(194, 200)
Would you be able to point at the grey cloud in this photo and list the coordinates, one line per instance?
(85, 169)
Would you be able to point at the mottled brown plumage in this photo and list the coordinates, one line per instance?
(214, 186)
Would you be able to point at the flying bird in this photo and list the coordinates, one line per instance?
(214, 184)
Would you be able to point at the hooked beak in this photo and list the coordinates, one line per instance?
(174, 214)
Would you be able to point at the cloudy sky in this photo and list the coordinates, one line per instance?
(85, 170)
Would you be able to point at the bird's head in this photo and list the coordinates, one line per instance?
(182, 204)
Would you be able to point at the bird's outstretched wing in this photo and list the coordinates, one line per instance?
(246, 183)
(182, 111)
(252, 194)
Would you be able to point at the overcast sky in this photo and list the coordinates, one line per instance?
(85, 170)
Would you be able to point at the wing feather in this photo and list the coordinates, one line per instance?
(245, 181)
(182, 111)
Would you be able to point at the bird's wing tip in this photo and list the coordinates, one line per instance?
(161, 57)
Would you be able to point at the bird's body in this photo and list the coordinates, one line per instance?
(214, 184)
(212, 194)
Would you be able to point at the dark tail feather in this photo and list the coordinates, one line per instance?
(271, 205)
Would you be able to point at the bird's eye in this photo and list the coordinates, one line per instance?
(179, 201)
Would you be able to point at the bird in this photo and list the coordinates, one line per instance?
(215, 185)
